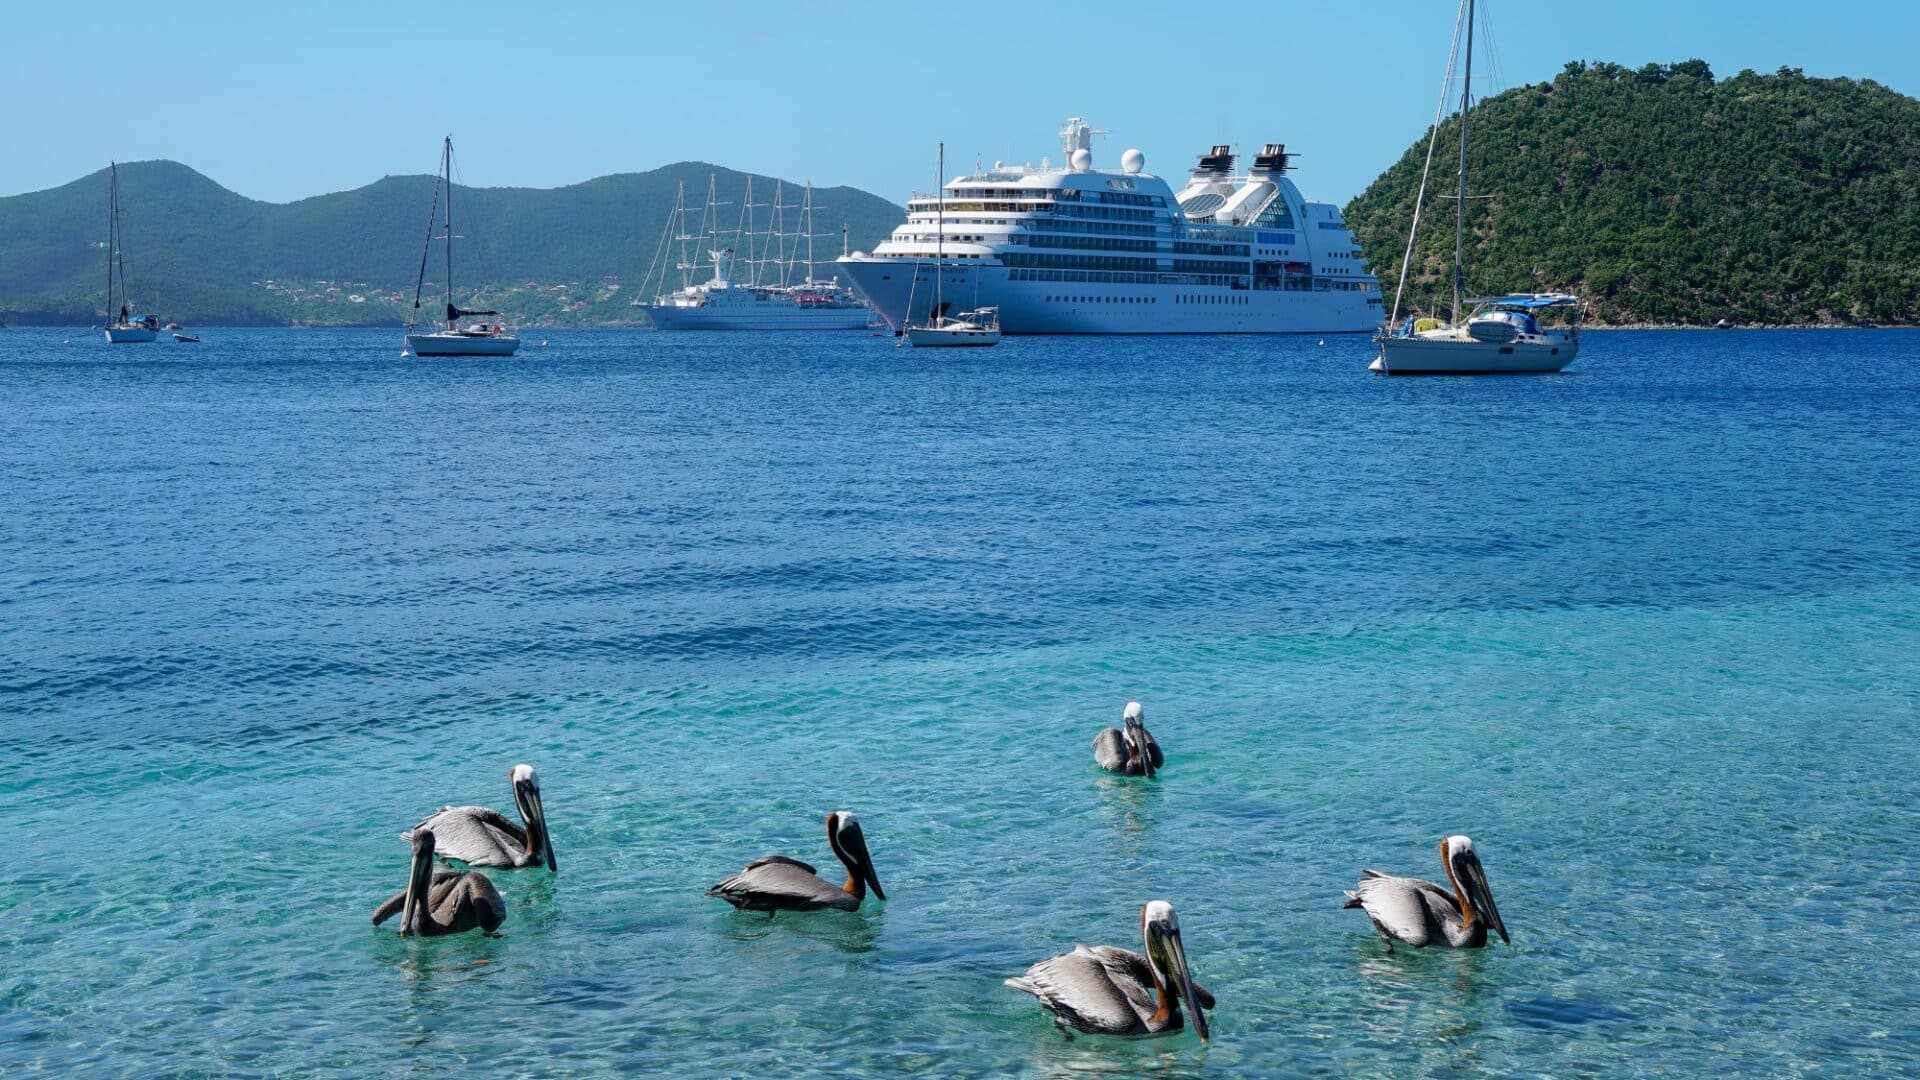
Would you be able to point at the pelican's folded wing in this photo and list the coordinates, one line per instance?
(1401, 906)
(777, 882)
(1110, 749)
(1091, 990)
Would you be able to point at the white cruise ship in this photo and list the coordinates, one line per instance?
(1080, 250)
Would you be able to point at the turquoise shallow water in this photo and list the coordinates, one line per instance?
(1646, 631)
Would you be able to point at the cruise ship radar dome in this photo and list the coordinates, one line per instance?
(1082, 160)
(1132, 162)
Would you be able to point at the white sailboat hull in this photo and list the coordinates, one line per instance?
(129, 335)
(445, 344)
(933, 337)
(1465, 356)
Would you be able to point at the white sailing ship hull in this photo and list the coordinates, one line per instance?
(127, 335)
(756, 316)
(1456, 356)
(1065, 307)
(444, 344)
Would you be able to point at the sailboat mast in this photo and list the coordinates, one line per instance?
(1460, 203)
(809, 216)
(939, 230)
(746, 241)
(446, 170)
(113, 230)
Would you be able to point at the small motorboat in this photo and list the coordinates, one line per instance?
(186, 338)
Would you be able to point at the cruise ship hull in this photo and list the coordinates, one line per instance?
(756, 317)
(1059, 307)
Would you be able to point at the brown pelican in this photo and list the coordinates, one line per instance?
(449, 902)
(1108, 990)
(1129, 750)
(1422, 913)
(777, 883)
(478, 836)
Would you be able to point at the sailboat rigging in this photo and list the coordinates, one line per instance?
(123, 326)
(1500, 334)
(489, 336)
(980, 326)
(765, 296)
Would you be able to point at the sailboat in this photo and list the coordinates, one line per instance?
(1500, 334)
(488, 336)
(980, 326)
(123, 327)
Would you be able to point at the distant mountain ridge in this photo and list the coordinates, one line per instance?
(1664, 195)
(201, 254)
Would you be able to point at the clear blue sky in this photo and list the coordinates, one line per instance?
(280, 101)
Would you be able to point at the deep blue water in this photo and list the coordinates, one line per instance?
(1648, 631)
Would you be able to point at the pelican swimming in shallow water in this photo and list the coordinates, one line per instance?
(1129, 750)
(478, 836)
(777, 883)
(1108, 990)
(449, 902)
(1421, 913)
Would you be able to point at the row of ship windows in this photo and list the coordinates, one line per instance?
(1114, 278)
(1184, 298)
(1119, 198)
(1123, 198)
(1048, 224)
(1096, 243)
(1078, 262)
(929, 211)
(1102, 300)
(1230, 250)
(1106, 243)
(1111, 213)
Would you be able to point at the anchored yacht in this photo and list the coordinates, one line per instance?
(1081, 250)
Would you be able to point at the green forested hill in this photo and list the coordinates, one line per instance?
(1666, 196)
(199, 253)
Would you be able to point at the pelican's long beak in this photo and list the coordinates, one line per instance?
(1137, 735)
(866, 866)
(417, 875)
(535, 812)
(1473, 878)
(1175, 957)
(851, 845)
